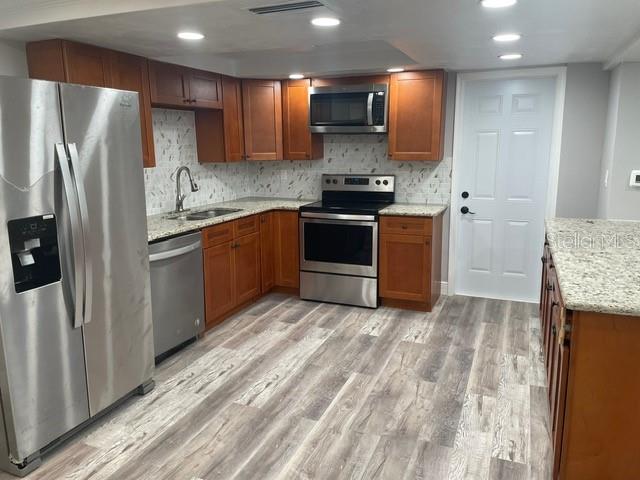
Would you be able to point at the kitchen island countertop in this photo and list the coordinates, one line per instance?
(597, 263)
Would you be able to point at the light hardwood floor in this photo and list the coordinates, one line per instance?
(290, 389)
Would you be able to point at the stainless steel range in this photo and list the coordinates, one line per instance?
(339, 239)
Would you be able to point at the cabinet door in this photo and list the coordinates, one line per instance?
(45, 60)
(287, 248)
(267, 260)
(86, 64)
(405, 267)
(205, 89)
(168, 85)
(247, 264)
(262, 107)
(233, 121)
(416, 115)
(298, 142)
(130, 72)
(219, 281)
(558, 407)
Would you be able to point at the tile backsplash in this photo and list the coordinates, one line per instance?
(175, 144)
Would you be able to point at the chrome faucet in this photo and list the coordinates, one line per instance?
(179, 195)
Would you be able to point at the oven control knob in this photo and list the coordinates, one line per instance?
(377, 182)
(335, 182)
(385, 182)
(328, 181)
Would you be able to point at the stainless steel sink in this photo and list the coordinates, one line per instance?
(204, 215)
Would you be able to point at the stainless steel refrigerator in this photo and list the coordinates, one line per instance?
(75, 310)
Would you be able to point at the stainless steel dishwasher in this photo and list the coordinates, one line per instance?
(177, 292)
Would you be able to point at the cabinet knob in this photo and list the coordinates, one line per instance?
(554, 330)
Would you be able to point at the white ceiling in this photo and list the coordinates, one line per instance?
(375, 34)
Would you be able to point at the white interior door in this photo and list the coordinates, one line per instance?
(504, 168)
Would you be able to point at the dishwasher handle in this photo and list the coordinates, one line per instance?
(156, 257)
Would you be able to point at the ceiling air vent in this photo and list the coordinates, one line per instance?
(285, 7)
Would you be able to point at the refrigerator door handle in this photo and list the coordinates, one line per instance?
(76, 234)
(84, 217)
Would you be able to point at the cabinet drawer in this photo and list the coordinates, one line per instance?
(245, 226)
(406, 225)
(217, 234)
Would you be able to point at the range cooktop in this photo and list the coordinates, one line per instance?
(354, 194)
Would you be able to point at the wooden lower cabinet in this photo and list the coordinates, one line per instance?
(231, 268)
(287, 249)
(247, 267)
(593, 386)
(409, 261)
(405, 267)
(268, 280)
(219, 281)
(246, 258)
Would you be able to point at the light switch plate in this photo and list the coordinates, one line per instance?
(634, 181)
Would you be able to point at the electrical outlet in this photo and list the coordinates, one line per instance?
(634, 181)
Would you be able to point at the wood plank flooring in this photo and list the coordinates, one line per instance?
(290, 389)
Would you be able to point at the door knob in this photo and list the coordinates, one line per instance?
(465, 210)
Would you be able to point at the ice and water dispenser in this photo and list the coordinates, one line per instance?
(35, 254)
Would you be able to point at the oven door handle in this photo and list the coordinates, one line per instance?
(339, 216)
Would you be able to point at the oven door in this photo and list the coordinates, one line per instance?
(345, 247)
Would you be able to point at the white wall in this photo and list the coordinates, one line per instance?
(13, 59)
(622, 146)
(583, 135)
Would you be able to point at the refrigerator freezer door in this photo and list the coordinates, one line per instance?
(42, 369)
(104, 126)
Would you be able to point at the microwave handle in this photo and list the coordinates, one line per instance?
(370, 109)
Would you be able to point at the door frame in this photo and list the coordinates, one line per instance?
(560, 75)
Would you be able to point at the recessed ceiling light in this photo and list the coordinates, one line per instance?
(325, 22)
(190, 36)
(296, 76)
(395, 69)
(498, 3)
(507, 37)
(511, 56)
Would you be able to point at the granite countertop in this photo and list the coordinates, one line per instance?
(414, 209)
(160, 227)
(597, 263)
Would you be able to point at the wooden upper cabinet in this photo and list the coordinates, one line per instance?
(183, 87)
(205, 89)
(168, 84)
(416, 115)
(232, 119)
(298, 141)
(130, 72)
(87, 65)
(262, 111)
(64, 61)
(45, 60)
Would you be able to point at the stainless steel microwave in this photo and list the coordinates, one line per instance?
(349, 108)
